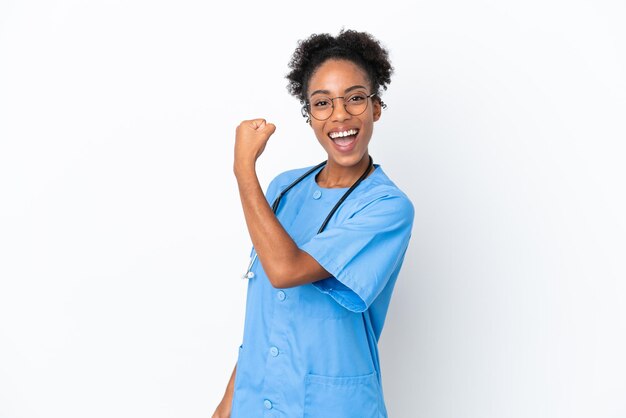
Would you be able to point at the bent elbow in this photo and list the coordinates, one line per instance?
(279, 279)
(299, 271)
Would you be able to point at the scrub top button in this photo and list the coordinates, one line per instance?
(281, 295)
(268, 404)
(274, 351)
(317, 194)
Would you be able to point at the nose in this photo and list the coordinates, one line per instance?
(339, 110)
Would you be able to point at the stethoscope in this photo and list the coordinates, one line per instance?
(250, 274)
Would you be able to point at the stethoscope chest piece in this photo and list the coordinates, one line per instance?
(249, 274)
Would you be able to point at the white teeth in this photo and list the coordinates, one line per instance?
(334, 135)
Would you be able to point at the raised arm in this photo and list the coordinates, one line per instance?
(284, 263)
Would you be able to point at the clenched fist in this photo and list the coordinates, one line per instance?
(250, 139)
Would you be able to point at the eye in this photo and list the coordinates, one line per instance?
(356, 98)
(321, 102)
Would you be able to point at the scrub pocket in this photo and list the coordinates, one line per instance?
(239, 365)
(236, 402)
(342, 397)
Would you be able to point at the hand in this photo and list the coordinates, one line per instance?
(250, 140)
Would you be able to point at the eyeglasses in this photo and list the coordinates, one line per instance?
(321, 107)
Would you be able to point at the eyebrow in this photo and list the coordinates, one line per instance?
(349, 89)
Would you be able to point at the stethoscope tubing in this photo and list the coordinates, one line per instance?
(249, 274)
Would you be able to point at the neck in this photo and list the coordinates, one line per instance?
(334, 175)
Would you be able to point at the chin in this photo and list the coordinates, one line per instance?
(347, 160)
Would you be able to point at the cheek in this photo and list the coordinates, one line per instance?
(368, 125)
(319, 133)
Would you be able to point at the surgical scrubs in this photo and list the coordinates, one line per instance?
(311, 351)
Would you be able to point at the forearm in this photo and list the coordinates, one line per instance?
(276, 250)
(224, 408)
(230, 388)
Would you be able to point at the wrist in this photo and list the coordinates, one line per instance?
(244, 170)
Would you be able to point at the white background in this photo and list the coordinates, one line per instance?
(122, 238)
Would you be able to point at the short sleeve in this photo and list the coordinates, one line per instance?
(364, 251)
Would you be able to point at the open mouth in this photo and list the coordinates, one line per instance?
(344, 138)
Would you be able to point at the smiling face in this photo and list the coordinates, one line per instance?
(345, 137)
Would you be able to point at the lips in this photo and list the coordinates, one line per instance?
(344, 139)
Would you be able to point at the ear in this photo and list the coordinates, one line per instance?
(378, 109)
(305, 113)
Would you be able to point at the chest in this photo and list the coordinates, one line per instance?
(303, 211)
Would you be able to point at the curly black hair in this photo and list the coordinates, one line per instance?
(359, 47)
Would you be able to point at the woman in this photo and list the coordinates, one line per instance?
(328, 244)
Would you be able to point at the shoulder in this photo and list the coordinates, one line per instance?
(290, 175)
(284, 179)
(383, 193)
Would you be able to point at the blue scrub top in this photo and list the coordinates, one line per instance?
(311, 351)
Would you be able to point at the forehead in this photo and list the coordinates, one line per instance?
(336, 76)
